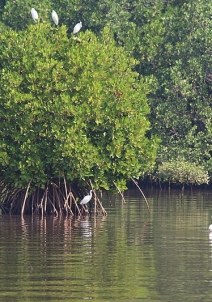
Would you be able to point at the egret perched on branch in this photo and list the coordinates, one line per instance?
(34, 14)
(77, 27)
(55, 17)
(86, 199)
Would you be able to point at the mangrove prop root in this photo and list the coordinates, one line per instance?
(101, 206)
(76, 205)
(97, 202)
(25, 198)
(57, 198)
(122, 196)
(135, 182)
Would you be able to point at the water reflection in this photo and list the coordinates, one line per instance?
(126, 256)
(85, 227)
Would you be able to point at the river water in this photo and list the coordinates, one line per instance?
(130, 255)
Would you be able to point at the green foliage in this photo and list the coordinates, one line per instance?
(17, 15)
(73, 107)
(181, 107)
(181, 171)
(172, 43)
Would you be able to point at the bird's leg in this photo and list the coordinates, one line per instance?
(85, 209)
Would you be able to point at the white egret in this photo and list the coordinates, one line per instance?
(86, 199)
(55, 17)
(210, 228)
(34, 14)
(77, 27)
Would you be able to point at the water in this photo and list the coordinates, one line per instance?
(130, 255)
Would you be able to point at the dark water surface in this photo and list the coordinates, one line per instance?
(130, 255)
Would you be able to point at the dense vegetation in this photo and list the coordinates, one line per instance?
(92, 108)
(73, 113)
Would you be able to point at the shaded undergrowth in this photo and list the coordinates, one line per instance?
(57, 198)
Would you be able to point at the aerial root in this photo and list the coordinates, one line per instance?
(136, 183)
(25, 198)
(97, 202)
(122, 196)
(57, 198)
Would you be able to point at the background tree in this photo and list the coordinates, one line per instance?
(181, 108)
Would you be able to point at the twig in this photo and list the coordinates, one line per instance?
(135, 182)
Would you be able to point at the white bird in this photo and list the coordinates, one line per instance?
(55, 17)
(77, 27)
(34, 14)
(86, 199)
(210, 228)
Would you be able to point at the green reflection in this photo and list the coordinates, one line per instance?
(127, 256)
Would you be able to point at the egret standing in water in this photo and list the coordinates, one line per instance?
(77, 27)
(34, 14)
(55, 17)
(86, 199)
